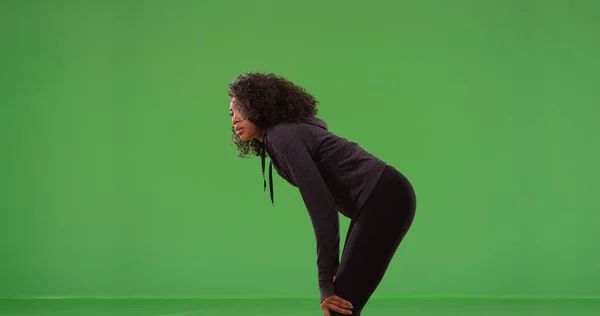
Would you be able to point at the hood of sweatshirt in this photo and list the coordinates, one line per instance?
(312, 120)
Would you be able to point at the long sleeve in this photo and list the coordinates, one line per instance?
(294, 156)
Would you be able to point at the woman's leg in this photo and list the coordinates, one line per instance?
(375, 235)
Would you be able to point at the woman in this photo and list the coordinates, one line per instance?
(273, 116)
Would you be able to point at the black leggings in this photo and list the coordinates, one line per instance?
(373, 237)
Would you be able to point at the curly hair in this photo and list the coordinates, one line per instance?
(266, 99)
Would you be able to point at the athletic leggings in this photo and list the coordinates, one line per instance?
(373, 237)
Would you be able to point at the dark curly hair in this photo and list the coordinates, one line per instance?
(266, 99)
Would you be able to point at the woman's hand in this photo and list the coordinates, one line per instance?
(336, 303)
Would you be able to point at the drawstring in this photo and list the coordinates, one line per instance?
(263, 157)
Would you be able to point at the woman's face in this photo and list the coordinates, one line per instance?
(244, 129)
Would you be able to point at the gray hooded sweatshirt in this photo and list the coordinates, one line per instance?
(332, 174)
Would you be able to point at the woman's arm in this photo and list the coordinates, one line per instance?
(293, 154)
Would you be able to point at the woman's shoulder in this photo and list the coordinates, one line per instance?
(306, 132)
(285, 131)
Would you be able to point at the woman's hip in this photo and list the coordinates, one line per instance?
(393, 195)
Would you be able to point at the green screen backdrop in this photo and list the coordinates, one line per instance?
(118, 176)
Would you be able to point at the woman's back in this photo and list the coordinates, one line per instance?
(349, 172)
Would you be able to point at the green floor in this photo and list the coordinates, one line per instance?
(297, 307)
